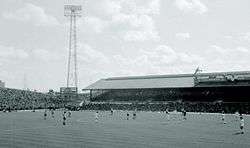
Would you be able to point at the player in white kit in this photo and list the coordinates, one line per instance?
(236, 115)
(69, 114)
(223, 117)
(96, 116)
(167, 113)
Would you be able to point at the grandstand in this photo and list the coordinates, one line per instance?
(230, 88)
(205, 87)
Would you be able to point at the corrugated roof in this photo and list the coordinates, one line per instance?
(154, 81)
(134, 82)
(225, 73)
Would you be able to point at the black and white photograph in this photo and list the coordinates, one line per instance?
(125, 74)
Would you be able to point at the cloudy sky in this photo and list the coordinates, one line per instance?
(121, 38)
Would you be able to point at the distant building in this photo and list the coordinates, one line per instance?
(2, 84)
(68, 94)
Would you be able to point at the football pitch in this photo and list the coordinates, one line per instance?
(150, 129)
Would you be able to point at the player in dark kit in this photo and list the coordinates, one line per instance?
(52, 113)
(134, 114)
(33, 109)
(184, 113)
(45, 114)
(166, 111)
(127, 116)
(64, 118)
(111, 111)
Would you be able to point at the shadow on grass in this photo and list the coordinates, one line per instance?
(237, 133)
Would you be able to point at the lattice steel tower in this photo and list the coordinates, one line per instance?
(72, 12)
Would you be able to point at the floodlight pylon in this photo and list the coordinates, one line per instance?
(72, 11)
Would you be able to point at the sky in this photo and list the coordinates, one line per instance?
(121, 38)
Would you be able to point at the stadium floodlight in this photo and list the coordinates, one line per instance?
(72, 10)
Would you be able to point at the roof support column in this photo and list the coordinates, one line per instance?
(90, 95)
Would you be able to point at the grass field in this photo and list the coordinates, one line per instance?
(149, 129)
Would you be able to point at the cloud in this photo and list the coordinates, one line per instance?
(150, 7)
(136, 35)
(182, 36)
(95, 23)
(242, 49)
(129, 20)
(140, 65)
(219, 49)
(160, 60)
(138, 20)
(220, 58)
(32, 13)
(245, 36)
(92, 24)
(93, 64)
(228, 51)
(165, 55)
(195, 6)
(11, 52)
(228, 37)
(91, 56)
(164, 59)
(112, 7)
(107, 7)
(46, 55)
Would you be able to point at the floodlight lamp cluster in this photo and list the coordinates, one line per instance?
(72, 10)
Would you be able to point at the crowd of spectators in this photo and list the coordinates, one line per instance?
(210, 107)
(14, 99)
